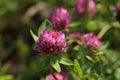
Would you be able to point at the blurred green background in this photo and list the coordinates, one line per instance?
(18, 58)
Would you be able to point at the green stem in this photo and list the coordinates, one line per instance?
(103, 31)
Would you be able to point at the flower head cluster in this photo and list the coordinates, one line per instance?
(80, 7)
(59, 76)
(117, 7)
(51, 41)
(90, 40)
(60, 19)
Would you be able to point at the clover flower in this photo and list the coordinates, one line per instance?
(80, 7)
(60, 19)
(51, 41)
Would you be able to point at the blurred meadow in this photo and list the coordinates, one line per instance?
(19, 59)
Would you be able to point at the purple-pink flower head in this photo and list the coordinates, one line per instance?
(60, 19)
(51, 41)
(80, 7)
(59, 76)
(91, 7)
(91, 40)
(117, 8)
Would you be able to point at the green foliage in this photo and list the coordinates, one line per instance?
(45, 25)
(7, 77)
(7, 6)
(17, 51)
(91, 26)
(55, 63)
(77, 69)
(97, 68)
(92, 76)
(56, 66)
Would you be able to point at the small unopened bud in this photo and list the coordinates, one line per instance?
(91, 7)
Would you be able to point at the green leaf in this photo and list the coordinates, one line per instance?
(44, 64)
(56, 66)
(33, 35)
(78, 69)
(55, 63)
(66, 32)
(97, 68)
(90, 58)
(76, 48)
(44, 25)
(48, 24)
(66, 61)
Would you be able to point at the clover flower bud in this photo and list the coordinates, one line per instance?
(117, 8)
(59, 76)
(51, 41)
(91, 7)
(91, 40)
(80, 7)
(60, 19)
